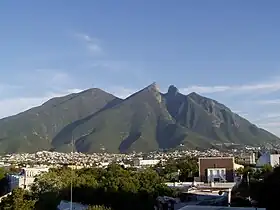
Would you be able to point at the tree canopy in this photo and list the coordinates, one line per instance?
(186, 168)
(102, 189)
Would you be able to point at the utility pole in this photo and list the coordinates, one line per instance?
(248, 181)
(71, 185)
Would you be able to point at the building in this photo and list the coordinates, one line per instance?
(140, 162)
(65, 205)
(216, 169)
(247, 158)
(270, 159)
(25, 179)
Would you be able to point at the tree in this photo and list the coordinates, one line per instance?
(18, 200)
(270, 190)
(2, 173)
(115, 186)
(3, 181)
(188, 169)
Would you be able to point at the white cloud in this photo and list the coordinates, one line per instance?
(5, 87)
(12, 106)
(273, 126)
(270, 102)
(263, 87)
(49, 83)
(204, 89)
(50, 77)
(92, 43)
(121, 92)
(269, 121)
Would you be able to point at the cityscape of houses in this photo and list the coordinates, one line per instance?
(216, 169)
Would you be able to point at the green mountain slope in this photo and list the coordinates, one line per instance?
(147, 120)
(139, 123)
(34, 129)
(209, 118)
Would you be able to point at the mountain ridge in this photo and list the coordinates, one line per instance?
(144, 121)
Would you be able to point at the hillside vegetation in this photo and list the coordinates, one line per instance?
(145, 121)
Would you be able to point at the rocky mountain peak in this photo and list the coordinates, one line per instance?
(172, 90)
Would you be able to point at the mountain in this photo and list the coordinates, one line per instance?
(35, 129)
(145, 121)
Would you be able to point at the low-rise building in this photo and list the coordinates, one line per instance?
(25, 179)
(216, 169)
(140, 162)
(247, 158)
(65, 205)
(268, 159)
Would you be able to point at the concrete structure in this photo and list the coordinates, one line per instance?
(32, 172)
(25, 178)
(248, 158)
(65, 205)
(4, 196)
(16, 181)
(216, 169)
(270, 159)
(141, 162)
(216, 174)
(237, 166)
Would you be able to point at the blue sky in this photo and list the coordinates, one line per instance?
(226, 50)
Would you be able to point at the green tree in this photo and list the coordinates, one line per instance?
(269, 191)
(3, 181)
(188, 169)
(2, 173)
(117, 187)
(18, 200)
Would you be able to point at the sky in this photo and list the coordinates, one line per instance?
(225, 50)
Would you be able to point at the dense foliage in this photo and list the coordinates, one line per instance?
(261, 185)
(115, 187)
(183, 169)
(3, 181)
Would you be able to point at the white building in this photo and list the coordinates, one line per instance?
(216, 174)
(65, 205)
(25, 178)
(139, 162)
(248, 158)
(270, 159)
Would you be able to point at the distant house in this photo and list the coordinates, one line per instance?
(140, 162)
(216, 169)
(247, 158)
(65, 205)
(270, 159)
(25, 178)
